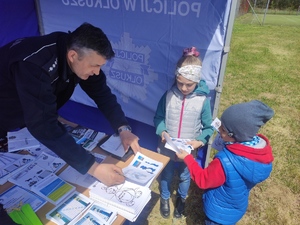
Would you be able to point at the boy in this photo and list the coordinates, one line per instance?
(245, 161)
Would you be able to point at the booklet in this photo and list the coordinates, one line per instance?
(53, 189)
(17, 196)
(128, 199)
(142, 170)
(69, 209)
(175, 144)
(96, 214)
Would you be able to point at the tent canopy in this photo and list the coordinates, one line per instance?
(148, 37)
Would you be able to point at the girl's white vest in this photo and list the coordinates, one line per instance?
(191, 126)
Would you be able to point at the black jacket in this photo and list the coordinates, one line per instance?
(35, 81)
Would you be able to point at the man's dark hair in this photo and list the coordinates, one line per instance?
(91, 37)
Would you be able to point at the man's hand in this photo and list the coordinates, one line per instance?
(129, 139)
(108, 174)
(182, 154)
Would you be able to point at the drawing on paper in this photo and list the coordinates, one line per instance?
(124, 195)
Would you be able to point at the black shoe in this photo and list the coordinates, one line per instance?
(179, 207)
(164, 208)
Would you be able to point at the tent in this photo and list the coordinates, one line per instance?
(148, 37)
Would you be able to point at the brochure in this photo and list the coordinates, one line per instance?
(86, 137)
(96, 214)
(17, 196)
(142, 170)
(69, 209)
(53, 189)
(175, 144)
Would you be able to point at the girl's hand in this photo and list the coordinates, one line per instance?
(182, 154)
(163, 137)
(196, 144)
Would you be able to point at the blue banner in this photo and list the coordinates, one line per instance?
(148, 37)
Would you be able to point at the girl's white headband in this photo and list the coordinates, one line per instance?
(190, 72)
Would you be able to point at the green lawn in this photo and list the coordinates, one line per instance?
(263, 64)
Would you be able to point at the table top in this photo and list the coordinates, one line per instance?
(109, 159)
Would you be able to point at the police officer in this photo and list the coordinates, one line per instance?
(38, 76)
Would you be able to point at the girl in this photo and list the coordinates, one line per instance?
(182, 112)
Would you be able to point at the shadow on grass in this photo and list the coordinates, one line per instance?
(194, 206)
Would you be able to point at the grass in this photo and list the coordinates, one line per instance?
(263, 64)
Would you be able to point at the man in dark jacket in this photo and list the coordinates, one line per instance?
(38, 76)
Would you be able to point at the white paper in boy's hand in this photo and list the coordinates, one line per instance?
(216, 124)
(175, 144)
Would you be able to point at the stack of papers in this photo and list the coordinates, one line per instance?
(128, 199)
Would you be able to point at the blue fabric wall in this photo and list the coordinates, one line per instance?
(17, 19)
(92, 117)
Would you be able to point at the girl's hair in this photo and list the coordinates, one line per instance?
(190, 56)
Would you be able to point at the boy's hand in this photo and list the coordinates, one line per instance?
(182, 154)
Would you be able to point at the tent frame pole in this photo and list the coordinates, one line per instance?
(218, 89)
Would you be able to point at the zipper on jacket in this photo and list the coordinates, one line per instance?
(181, 115)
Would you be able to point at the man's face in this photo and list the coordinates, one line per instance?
(85, 65)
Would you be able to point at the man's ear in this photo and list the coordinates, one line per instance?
(71, 55)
